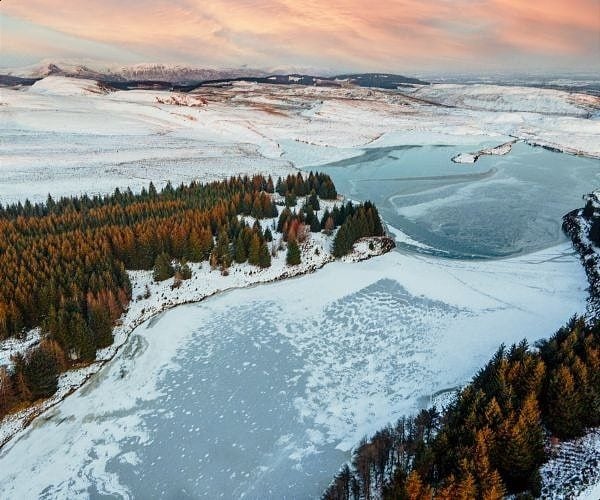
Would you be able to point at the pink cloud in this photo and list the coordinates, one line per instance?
(350, 33)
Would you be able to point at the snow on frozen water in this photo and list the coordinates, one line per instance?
(262, 392)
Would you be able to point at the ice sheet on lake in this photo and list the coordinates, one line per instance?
(262, 392)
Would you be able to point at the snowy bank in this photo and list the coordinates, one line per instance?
(573, 470)
(577, 227)
(501, 150)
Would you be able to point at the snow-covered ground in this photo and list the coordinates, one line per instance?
(501, 150)
(592, 492)
(66, 136)
(573, 470)
(10, 347)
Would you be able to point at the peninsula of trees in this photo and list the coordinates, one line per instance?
(65, 262)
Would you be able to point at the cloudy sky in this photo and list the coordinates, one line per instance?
(392, 35)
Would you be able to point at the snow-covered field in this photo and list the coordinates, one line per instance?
(263, 391)
(574, 469)
(65, 136)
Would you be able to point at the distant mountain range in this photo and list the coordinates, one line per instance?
(150, 72)
(167, 77)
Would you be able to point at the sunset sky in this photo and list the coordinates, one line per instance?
(340, 35)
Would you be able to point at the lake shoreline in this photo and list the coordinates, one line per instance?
(72, 380)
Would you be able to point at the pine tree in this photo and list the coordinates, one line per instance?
(254, 252)
(341, 242)
(22, 391)
(240, 250)
(466, 489)
(269, 187)
(313, 201)
(488, 479)
(222, 251)
(564, 405)
(521, 446)
(290, 199)
(6, 391)
(293, 257)
(100, 324)
(264, 258)
(163, 268)
(41, 373)
(185, 271)
(415, 489)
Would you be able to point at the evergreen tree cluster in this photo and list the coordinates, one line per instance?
(356, 222)
(240, 243)
(165, 268)
(33, 376)
(297, 185)
(63, 262)
(490, 441)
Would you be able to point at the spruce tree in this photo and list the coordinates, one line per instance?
(240, 250)
(341, 242)
(41, 373)
(185, 271)
(254, 252)
(564, 405)
(293, 257)
(264, 258)
(313, 201)
(100, 324)
(290, 199)
(163, 268)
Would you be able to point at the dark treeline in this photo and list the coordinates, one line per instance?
(354, 222)
(63, 262)
(359, 222)
(296, 185)
(490, 441)
(592, 214)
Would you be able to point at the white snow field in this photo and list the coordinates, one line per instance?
(262, 392)
(67, 136)
(573, 470)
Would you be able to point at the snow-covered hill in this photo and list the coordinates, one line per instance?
(179, 74)
(130, 137)
(513, 99)
(63, 86)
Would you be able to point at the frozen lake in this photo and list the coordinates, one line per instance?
(262, 392)
(498, 206)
